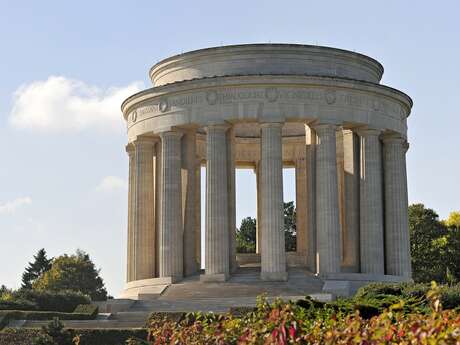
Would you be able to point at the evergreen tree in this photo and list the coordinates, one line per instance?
(246, 236)
(35, 269)
(290, 228)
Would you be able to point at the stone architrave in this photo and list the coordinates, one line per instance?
(371, 204)
(171, 231)
(273, 256)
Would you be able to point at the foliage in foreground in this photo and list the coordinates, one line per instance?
(311, 322)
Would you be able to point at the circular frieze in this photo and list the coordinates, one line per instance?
(376, 105)
(330, 97)
(163, 105)
(271, 94)
(134, 116)
(211, 97)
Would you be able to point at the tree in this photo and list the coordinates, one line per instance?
(35, 269)
(73, 272)
(246, 236)
(454, 220)
(290, 229)
(428, 244)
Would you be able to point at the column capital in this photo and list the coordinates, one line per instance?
(323, 128)
(171, 134)
(142, 142)
(272, 125)
(367, 132)
(393, 139)
(217, 127)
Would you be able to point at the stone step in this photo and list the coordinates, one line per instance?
(83, 324)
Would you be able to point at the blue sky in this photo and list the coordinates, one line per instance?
(66, 66)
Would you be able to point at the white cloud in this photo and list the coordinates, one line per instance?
(111, 183)
(62, 104)
(11, 206)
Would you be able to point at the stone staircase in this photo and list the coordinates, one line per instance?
(193, 295)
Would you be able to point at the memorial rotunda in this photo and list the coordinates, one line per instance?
(320, 110)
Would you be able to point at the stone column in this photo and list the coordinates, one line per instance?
(130, 259)
(397, 246)
(310, 141)
(198, 213)
(143, 240)
(171, 231)
(351, 202)
(301, 205)
(158, 204)
(327, 203)
(273, 256)
(231, 198)
(188, 152)
(371, 204)
(217, 238)
(258, 209)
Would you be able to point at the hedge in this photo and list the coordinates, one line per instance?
(8, 315)
(24, 336)
(62, 301)
(89, 309)
(312, 322)
(109, 336)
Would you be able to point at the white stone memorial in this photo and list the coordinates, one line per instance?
(320, 110)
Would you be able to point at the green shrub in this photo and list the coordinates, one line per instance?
(24, 336)
(53, 334)
(109, 336)
(63, 301)
(18, 304)
(7, 315)
(375, 289)
(89, 309)
(450, 296)
(18, 336)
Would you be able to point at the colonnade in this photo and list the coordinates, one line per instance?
(351, 212)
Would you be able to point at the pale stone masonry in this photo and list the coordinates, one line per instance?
(217, 267)
(396, 215)
(371, 201)
(327, 200)
(273, 257)
(143, 239)
(171, 230)
(266, 107)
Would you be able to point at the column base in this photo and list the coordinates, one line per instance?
(274, 276)
(214, 278)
